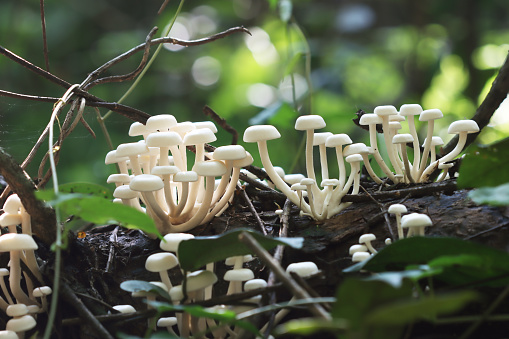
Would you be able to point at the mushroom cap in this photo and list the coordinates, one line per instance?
(206, 124)
(21, 324)
(12, 204)
(357, 148)
(172, 240)
(395, 125)
(366, 238)
(360, 256)
(210, 168)
(254, 284)
(163, 139)
(415, 220)
(8, 219)
(337, 140)
(307, 181)
(431, 114)
(8, 335)
(4, 272)
(353, 158)
(435, 141)
(124, 192)
(15, 242)
(298, 187)
(132, 149)
(183, 127)
(321, 138)
(357, 248)
(42, 291)
(118, 178)
(468, 126)
(186, 176)
(410, 109)
(167, 321)
(241, 274)
(200, 279)
(386, 110)
(112, 158)
(199, 136)
(146, 183)
(137, 128)
(329, 182)
(162, 170)
(161, 122)
(370, 119)
(159, 262)
(246, 161)
(260, 133)
(309, 122)
(293, 178)
(16, 310)
(397, 117)
(402, 138)
(230, 261)
(124, 308)
(303, 269)
(444, 165)
(397, 208)
(230, 152)
(176, 293)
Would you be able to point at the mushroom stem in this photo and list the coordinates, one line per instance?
(427, 146)
(457, 150)
(15, 278)
(406, 163)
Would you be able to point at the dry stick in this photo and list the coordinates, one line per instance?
(113, 241)
(88, 83)
(222, 123)
(386, 217)
(298, 291)
(302, 282)
(497, 94)
(44, 40)
(259, 221)
(70, 297)
(43, 217)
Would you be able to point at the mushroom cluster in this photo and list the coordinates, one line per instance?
(22, 306)
(178, 192)
(321, 200)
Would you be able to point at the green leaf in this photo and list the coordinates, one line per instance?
(197, 252)
(273, 4)
(99, 211)
(86, 188)
(159, 335)
(309, 326)
(395, 279)
(144, 286)
(458, 261)
(409, 310)
(220, 315)
(484, 166)
(285, 10)
(496, 196)
(293, 62)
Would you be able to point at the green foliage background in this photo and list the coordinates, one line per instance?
(442, 54)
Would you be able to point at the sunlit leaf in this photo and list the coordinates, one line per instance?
(293, 62)
(484, 166)
(144, 286)
(197, 252)
(309, 326)
(395, 279)
(496, 196)
(406, 311)
(86, 188)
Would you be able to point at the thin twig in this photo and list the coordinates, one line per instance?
(44, 40)
(486, 231)
(259, 221)
(85, 314)
(163, 6)
(298, 291)
(497, 94)
(111, 255)
(222, 123)
(386, 216)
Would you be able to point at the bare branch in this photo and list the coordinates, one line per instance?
(44, 40)
(222, 123)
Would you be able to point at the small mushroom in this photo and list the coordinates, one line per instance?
(398, 210)
(366, 239)
(415, 222)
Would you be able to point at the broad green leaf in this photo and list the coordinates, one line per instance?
(143, 286)
(273, 4)
(482, 166)
(309, 326)
(285, 10)
(355, 298)
(197, 252)
(395, 279)
(159, 335)
(406, 311)
(496, 196)
(86, 188)
(461, 262)
(220, 315)
(99, 211)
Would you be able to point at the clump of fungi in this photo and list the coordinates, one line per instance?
(323, 199)
(155, 170)
(25, 295)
